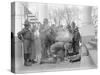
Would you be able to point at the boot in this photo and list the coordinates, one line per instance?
(33, 61)
(29, 60)
(26, 60)
(76, 60)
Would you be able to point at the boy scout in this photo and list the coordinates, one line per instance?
(25, 36)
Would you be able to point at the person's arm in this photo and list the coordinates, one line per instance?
(20, 34)
(80, 40)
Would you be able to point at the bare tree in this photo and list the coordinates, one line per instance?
(68, 14)
(71, 14)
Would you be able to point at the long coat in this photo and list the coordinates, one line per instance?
(38, 46)
(33, 51)
(25, 36)
(76, 41)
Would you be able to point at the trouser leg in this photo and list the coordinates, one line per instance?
(33, 52)
(25, 59)
(26, 44)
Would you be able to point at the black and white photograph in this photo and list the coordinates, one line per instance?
(53, 37)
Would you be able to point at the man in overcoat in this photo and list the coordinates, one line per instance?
(25, 36)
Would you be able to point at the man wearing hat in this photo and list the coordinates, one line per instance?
(76, 38)
(25, 36)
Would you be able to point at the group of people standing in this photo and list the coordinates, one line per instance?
(34, 41)
(34, 48)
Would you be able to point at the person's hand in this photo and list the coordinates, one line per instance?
(80, 44)
(22, 39)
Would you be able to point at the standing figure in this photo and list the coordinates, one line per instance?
(44, 30)
(76, 41)
(73, 27)
(33, 47)
(76, 47)
(25, 36)
(37, 41)
(75, 44)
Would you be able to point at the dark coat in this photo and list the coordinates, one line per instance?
(24, 34)
(76, 40)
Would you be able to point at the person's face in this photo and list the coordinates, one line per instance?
(45, 21)
(73, 26)
(28, 26)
